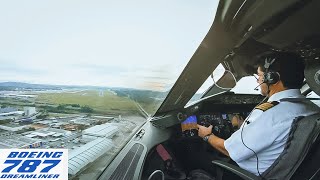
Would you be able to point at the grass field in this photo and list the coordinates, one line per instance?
(102, 102)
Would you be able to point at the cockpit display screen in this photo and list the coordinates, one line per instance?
(224, 116)
(189, 126)
(189, 123)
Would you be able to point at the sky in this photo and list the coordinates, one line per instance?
(141, 44)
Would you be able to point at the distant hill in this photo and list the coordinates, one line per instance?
(135, 94)
(20, 85)
(28, 86)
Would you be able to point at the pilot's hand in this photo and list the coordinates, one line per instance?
(203, 131)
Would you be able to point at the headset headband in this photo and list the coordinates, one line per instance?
(268, 62)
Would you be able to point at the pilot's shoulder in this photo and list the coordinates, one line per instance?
(268, 105)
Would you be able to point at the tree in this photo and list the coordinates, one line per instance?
(75, 105)
(61, 107)
(5, 121)
(86, 109)
(81, 127)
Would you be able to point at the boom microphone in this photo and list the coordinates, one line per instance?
(256, 88)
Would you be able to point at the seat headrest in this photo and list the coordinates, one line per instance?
(312, 75)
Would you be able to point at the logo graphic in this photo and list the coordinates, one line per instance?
(34, 164)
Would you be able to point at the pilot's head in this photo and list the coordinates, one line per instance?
(278, 71)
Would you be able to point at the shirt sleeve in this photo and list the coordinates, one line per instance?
(257, 135)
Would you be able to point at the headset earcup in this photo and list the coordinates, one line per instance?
(271, 77)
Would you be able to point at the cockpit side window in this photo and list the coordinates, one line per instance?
(213, 78)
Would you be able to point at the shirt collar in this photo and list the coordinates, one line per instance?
(289, 93)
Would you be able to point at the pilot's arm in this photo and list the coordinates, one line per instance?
(216, 142)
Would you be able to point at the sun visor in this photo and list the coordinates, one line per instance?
(312, 75)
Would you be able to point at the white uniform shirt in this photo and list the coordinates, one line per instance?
(267, 132)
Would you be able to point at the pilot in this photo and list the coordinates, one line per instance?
(262, 137)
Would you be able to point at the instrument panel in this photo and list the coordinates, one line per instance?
(221, 122)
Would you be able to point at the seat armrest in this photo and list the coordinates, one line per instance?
(236, 170)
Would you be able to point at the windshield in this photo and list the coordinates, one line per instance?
(86, 75)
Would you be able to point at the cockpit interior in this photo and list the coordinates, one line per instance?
(168, 146)
(188, 149)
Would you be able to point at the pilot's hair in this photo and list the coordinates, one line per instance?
(289, 65)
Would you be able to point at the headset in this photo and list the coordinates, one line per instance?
(270, 77)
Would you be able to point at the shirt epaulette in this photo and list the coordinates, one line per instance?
(267, 105)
